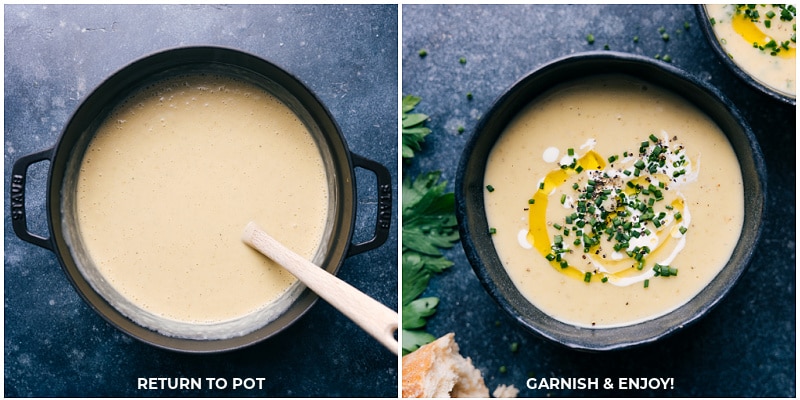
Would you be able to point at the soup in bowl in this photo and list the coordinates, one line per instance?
(607, 200)
(757, 42)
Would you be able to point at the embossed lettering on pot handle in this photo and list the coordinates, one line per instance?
(383, 220)
(19, 220)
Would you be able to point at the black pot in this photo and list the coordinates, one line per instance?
(474, 229)
(339, 163)
(722, 55)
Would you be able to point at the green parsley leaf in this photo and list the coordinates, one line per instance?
(414, 313)
(414, 339)
(414, 130)
(429, 221)
(429, 225)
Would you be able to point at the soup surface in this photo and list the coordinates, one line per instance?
(166, 187)
(612, 201)
(760, 38)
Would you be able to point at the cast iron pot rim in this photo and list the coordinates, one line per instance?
(711, 38)
(580, 338)
(343, 162)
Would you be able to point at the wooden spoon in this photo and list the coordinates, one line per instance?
(372, 316)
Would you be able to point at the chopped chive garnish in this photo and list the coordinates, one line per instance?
(490, 188)
(646, 283)
(587, 277)
(605, 211)
(492, 231)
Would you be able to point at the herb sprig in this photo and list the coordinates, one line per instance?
(414, 130)
(429, 225)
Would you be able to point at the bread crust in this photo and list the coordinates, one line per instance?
(438, 370)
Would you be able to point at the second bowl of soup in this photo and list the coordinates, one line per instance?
(757, 42)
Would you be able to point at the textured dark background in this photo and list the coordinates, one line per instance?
(746, 346)
(55, 345)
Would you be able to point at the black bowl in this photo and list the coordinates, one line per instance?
(708, 31)
(474, 229)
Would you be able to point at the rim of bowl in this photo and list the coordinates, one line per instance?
(476, 240)
(711, 38)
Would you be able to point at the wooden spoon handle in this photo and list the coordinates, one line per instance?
(372, 316)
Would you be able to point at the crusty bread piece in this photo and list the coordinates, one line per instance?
(504, 391)
(438, 370)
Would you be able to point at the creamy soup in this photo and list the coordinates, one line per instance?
(760, 38)
(612, 201)
(166, 188)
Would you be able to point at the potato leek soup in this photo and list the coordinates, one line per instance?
(612, 201)
(165, 189)
(761, 39)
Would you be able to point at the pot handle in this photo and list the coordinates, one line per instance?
(18, 215)
(384, 218)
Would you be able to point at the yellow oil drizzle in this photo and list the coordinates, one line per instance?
(752, 33)
(676, 204)
(538, 234)
(537, 212)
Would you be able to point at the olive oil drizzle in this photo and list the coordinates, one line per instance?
(613, 208)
